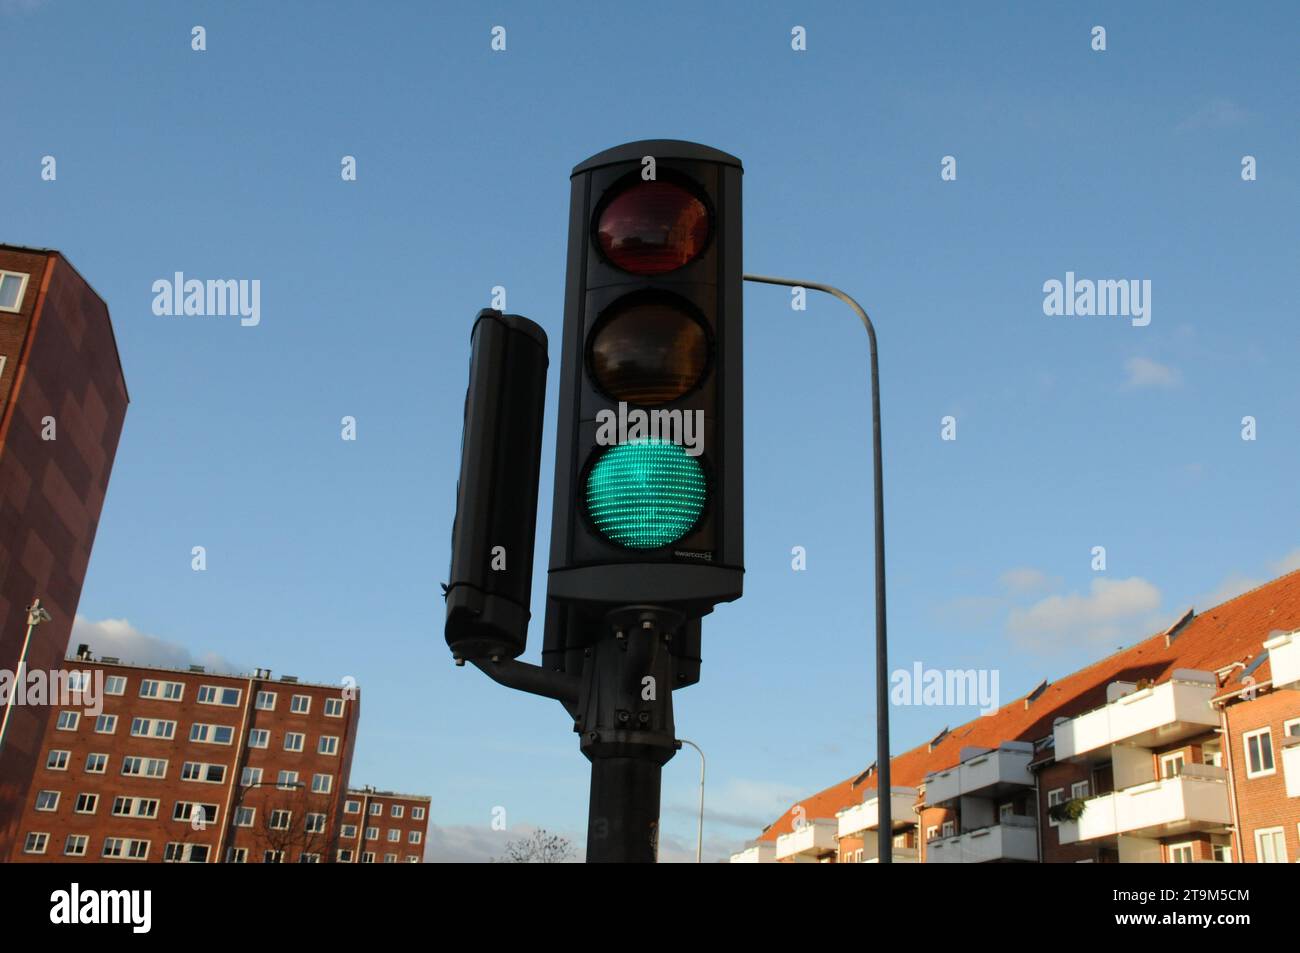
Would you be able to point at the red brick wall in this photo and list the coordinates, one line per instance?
(1062, 775)
(61, 362)
(386, 822)
(1262, 801)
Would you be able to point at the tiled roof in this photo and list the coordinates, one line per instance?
(1233, 631)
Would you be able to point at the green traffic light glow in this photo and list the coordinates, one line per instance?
(646, 494)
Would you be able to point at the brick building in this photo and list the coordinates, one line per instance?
(1184, 747)
(383, 827)
(154, 764)
(62, 402)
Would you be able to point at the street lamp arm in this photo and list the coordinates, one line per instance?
(885, 833)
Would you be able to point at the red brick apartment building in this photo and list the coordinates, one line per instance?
(62, 402)
(383, 827)
(1182, 748)
(190, 766)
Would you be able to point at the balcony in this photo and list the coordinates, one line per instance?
(899, 855)
(1291, 764)
(1196, 800)
(853, 821)
(982, 773)
(759, 852)
(1162, 714)
(1015, 839)
(1284, 658)
(809, 844)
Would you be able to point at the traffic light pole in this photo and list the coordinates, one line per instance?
(885, 826)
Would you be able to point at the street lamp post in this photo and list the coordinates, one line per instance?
(36, 614)
(699, 831)
(885, 831)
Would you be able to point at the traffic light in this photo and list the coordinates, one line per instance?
(496, 496)
(648, 478)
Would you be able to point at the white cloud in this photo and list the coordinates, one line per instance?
(470, 844)
(1112, 610)
(1236, 582)
(119, 639)
(1288, 563)
(1143, 372)
(1026, 581)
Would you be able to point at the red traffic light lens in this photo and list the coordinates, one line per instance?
(648, 352)
(653, 227)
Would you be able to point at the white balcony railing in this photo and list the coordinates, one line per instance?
(1177, 709)
(1196, 800)
(1016, 838)
(761, 852)
(1284, 658)
(809, 842)
(854, 820)
(899, 855)
(982, 772)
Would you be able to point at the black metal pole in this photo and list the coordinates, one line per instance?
(885, 829)
(623, 821)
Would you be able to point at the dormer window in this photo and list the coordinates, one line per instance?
(13, 285)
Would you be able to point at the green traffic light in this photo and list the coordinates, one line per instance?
(646, 494)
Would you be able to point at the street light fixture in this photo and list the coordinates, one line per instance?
(36, 614)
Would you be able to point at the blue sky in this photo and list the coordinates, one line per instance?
(324, 556)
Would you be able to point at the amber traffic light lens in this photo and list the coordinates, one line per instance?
(653, 227)
(649, 352)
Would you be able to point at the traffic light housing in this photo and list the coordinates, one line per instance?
(649, 450)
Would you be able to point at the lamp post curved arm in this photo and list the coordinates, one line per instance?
(885, 832)
(699, 831)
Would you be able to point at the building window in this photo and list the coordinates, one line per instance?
(75, 845)
(86, 803)
(144, 767)
(397, 810)
(13, 285)
(293, 740)
(1259, 752)
(68, 720)
(376, 809)
(417, 813)
(47, 801)
(344, 856)
(175, 853)
(1005, 811)
(1222, 853)
(106, 724)
(280, 820)
(1212, 754)
(251, 777)
(300, 704)
(266, 701)
(1270, 846)
(153, 728)
(36, 843)
(348, 831)
(135, 807)
(1079, 789)
(57, 761)
(115, 685)
(236, 855)
(167, 691)
(351, 807)
(1054, 797)
(287, 780)
(244, 816)
(390, 858)
(216, 695)
(96, 763)
(273, 857)
(202, 771)
(1181, 853)
(211, 734)
(333, 708)
(322, 783)
(372, 833)
(412, 858)
(414, 837)
(315, 823)
(329, 744)
(368, 857)
(949, 828)
(1171, 765)
(259, 738)
(931, 833)
(309, 858)
(1291, 727)
(394, 835)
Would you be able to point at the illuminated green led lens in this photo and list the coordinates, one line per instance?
(646, 494)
